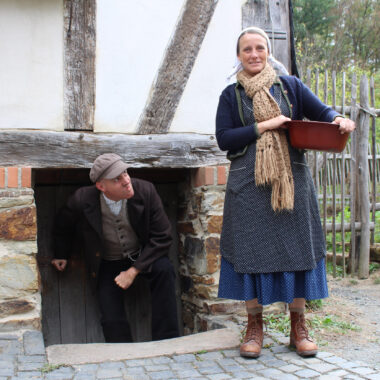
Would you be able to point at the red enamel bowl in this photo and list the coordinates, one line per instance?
(316, 135)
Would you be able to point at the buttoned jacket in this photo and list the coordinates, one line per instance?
(81, 218)
(233, 135)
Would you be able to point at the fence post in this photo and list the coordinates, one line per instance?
(353, 182)
(363, 172)
(373, 162)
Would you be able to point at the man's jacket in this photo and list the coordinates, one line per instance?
(81, 218)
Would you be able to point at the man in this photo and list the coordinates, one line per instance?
(125, 233)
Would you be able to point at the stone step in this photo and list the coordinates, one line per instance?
(70, 354)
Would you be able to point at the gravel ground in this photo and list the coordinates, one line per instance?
(357, 302)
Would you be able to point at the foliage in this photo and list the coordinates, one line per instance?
(332, 323)
(330, 269)
(278, 322)
(373, 267)
(338, 235)
(314, 305)
(51, 367)
(337, 34)
(281, 323)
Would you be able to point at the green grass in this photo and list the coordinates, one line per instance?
(281, 323)
(332, 323)
(51, 367)
(373, 267)
(278, 322)
(330, 269)
(314, 305)
(347, 235)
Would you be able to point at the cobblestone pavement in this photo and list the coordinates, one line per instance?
(22, 356)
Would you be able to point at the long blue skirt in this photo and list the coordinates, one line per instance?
(273, 287)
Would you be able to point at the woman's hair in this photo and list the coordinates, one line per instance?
(253, 30)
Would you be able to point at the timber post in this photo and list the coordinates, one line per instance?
(363, 173)
(353, 181)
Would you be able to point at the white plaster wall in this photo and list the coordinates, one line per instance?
(31, 64)
(132, 37)
(197, 108)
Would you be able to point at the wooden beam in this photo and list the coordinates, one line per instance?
(363, 133)
(79, 58)
(176, 66)
(46, 149)
(347, 226)
(273, 17)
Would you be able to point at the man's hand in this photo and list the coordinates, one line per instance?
(59, 264)
(126, 278)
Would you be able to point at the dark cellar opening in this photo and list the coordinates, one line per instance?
(69, 308)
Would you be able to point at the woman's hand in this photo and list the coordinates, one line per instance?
(345, 125)
(276, 122)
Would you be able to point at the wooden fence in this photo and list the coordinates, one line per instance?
(356, 187)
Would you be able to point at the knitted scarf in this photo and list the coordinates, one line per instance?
(272, 154)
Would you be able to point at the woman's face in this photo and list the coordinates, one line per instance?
(253, 53)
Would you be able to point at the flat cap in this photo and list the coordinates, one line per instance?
(107, 166)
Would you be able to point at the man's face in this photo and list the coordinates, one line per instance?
(117, 188)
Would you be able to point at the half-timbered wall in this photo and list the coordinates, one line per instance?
(121, 66)
(138, 78)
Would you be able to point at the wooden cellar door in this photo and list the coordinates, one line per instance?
(69, 308)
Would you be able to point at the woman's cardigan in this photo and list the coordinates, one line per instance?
(302, 101)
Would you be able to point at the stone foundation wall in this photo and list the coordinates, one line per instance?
(199, 227)
(20, 300)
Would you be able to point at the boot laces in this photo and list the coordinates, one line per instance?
(302, 330)
(254, 331)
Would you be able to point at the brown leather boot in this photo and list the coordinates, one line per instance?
(254, 336)
(299, 336)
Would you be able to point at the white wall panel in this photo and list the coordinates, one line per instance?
(197, 108)
(31, 64)
(131, 40)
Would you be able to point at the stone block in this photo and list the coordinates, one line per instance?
(18, 306)
(196, 204)
(212, 254)
(212, 245)
(214, 224)
(22, 200)
(12, 248)
(206, 291)
(34, 343)
(185, 228)
(31, 320)
(18, 276)
(206, 279)
(213, 202)
(225, 307)
(194, 255)
(18, 224)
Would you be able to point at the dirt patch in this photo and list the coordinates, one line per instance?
(350, 319)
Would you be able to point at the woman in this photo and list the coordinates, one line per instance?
(272, 242)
